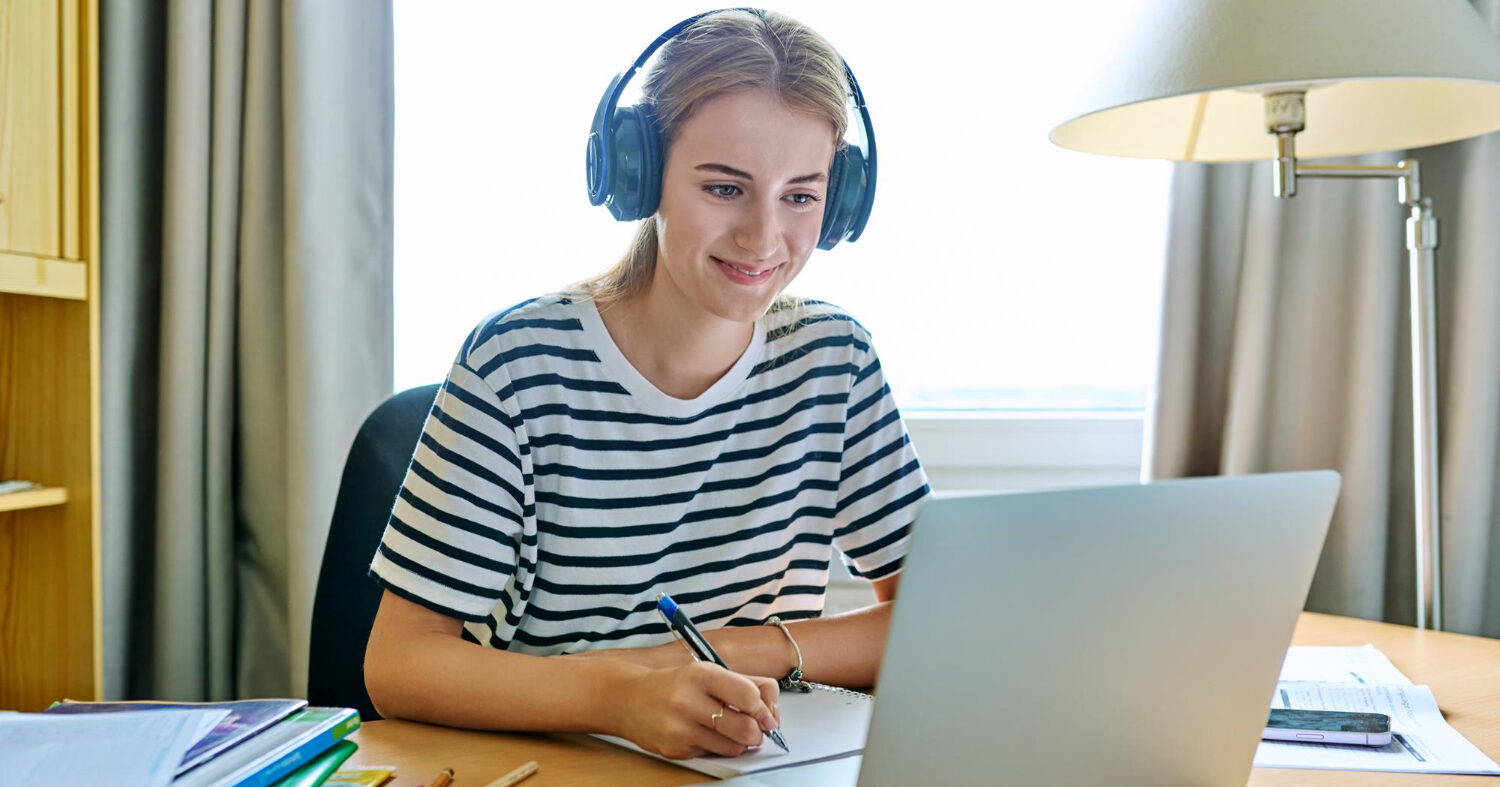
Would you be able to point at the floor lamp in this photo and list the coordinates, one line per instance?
(1238, 80)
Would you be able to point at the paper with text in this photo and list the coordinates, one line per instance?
(1320, 664)
(131, 747)
(1422, 741)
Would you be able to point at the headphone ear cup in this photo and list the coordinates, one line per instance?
(655, 160)
(636, 176)
(846, 194)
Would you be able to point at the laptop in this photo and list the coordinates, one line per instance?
(1117, 635)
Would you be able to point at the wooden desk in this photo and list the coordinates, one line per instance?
(1464, 673)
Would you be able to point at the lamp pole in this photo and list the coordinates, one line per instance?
(1285, 116)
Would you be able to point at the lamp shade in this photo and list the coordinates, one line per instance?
(1186, 81)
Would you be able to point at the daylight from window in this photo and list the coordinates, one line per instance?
(998, 271)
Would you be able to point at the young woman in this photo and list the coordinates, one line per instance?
(674, 425)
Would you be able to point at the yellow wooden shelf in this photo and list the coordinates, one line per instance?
(51, 593)
(44, 276)
(36, 498)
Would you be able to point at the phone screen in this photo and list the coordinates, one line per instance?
(1329, 720)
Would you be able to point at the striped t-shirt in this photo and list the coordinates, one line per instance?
(555, 491)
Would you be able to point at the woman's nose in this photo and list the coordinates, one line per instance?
(759, 233)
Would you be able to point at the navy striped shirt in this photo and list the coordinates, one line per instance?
(555, 491)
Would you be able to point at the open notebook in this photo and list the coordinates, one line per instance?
(825, 724)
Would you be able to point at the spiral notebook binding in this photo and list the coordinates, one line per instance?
(808, 686)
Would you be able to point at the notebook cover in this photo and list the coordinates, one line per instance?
(317, 772)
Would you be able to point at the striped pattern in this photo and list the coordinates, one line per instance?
(554, 492)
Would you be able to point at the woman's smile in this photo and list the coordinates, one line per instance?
(745, 273)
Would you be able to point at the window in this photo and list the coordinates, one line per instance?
(999, 272)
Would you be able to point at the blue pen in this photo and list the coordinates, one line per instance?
(678, 621)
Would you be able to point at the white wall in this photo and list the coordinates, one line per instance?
(1011, 452)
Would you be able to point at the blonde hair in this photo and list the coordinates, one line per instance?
(721, 53)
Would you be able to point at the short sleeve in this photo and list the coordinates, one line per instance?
(881, 482)
(451, 542)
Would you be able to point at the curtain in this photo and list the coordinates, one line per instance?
(246, 152)
(1284, 347)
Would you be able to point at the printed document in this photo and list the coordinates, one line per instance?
(132, 747)
(1363, 680)
(1319, 664)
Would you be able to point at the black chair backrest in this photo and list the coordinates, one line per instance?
(347, 597)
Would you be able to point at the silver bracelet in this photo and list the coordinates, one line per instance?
(793, 680)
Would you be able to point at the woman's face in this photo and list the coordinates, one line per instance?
(742, 202)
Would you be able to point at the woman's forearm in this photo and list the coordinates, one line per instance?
(426, 672)
(843, 650)
(437, 677)
(417, 666)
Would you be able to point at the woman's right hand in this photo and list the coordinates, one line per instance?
(676, 711)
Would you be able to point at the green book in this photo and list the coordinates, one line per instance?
(321, 767)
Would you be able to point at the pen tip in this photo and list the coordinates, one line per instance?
(775, 736)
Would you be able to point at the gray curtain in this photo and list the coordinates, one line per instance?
(247, 220)
(1284, 347)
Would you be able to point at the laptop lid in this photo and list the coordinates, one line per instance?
(1121, 635)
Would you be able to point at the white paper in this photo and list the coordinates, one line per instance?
(1319, 664)
(129, 747)
(822, 725)
(1422, 741)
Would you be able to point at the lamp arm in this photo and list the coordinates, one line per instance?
(1285, 116)
(1407, 174)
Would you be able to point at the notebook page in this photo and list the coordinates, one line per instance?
(825, 724)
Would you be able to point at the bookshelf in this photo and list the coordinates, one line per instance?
(50, 644)
(36, 498)
(49, 278)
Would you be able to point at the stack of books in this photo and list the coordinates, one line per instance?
(254, 743)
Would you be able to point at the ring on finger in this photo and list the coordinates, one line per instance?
(714, 719)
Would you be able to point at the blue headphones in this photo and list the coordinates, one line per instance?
(626, 157)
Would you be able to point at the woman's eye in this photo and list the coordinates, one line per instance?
(729, 191)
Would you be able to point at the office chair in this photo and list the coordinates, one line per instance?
(347, 596)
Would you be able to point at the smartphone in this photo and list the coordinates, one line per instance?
(1328, 726)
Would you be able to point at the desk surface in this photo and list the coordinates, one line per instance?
(1464, 673)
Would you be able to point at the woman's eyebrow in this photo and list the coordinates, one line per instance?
(739, 173)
